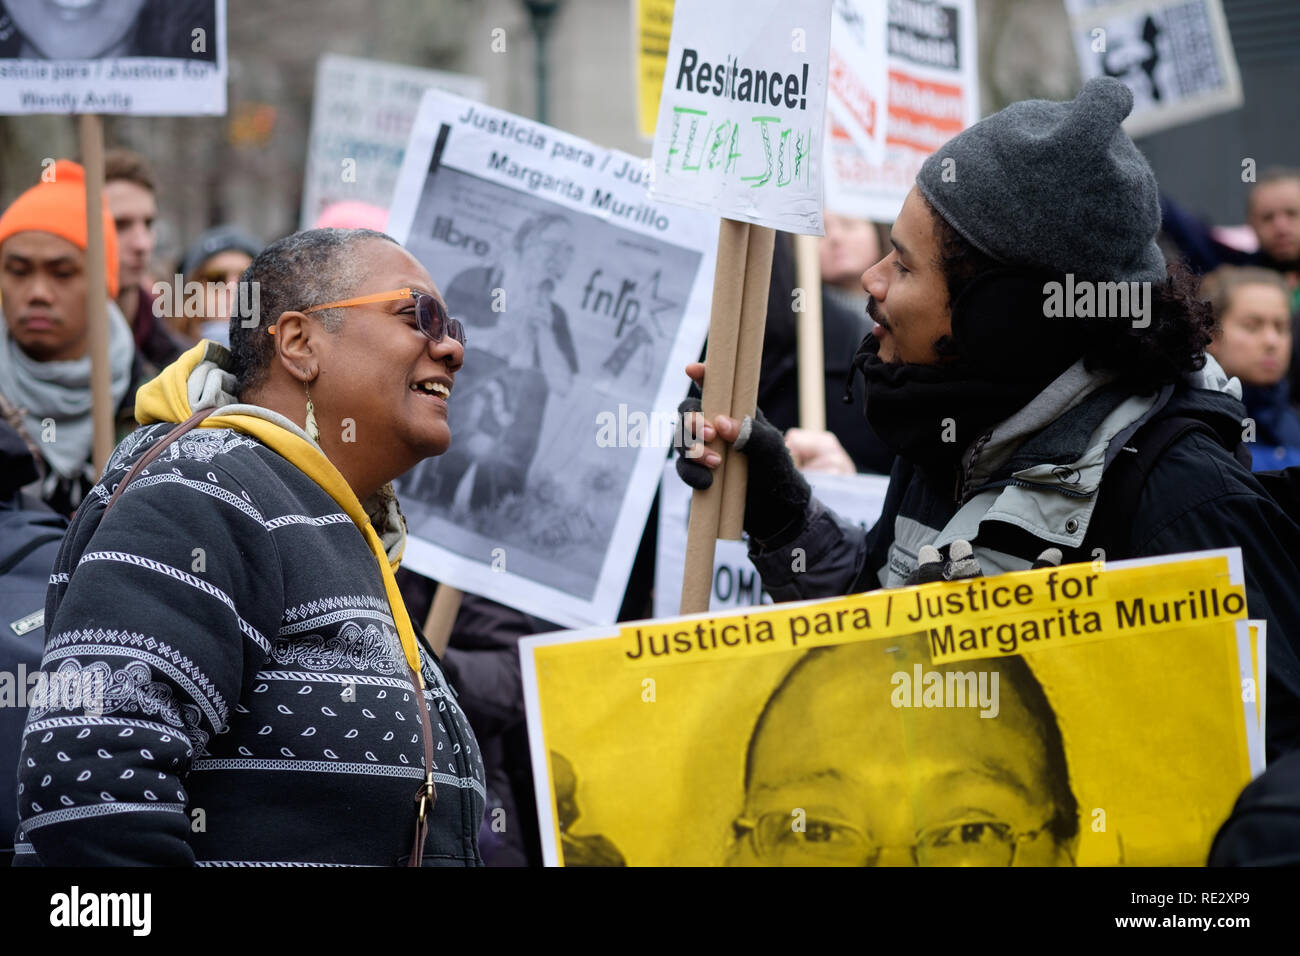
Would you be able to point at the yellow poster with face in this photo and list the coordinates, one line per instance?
(1083, 715)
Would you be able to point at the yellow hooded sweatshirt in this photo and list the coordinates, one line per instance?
(201, 378)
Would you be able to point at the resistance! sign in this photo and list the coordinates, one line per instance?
(742, 111)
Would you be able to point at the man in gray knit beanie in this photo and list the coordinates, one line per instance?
(1015, 420)
(1056, 186)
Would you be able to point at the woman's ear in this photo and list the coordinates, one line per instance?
(294, 346)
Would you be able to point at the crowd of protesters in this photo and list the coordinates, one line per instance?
(939, 317)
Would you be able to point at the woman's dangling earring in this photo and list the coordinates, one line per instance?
(312, 431)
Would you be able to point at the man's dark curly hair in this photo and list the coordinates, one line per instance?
(1171, 346)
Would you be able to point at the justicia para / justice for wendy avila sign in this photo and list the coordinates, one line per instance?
(126, 57)
(741, 116)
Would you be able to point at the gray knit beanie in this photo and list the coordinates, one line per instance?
(1053, 186)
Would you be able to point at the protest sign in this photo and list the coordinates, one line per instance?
(360, 121)
(1252, 652)
(583, 299)
(858, 76)
(857, 498)
(70, 56)
(1088, 715)
(933, 94)
(1175, 55)
(856, 187)
(143, 59)
(654, 25)
(742, 111)
(739, 134)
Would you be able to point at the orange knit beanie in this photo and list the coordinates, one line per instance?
(59, 207)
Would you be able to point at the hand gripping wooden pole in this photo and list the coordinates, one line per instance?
(749, 360)
(724, 336)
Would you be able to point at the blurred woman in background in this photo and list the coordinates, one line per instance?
(1253, 342)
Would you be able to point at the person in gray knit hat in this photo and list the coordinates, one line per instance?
(1053, 186)
(216, 260)
(1028, 338)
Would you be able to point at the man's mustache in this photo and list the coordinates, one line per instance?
(873, 311)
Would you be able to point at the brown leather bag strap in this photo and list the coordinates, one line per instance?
(427, 795)
(158, 448)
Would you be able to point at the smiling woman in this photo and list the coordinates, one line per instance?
(98, 29)
(239, 601)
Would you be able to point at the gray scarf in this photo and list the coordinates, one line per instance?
(61, 391)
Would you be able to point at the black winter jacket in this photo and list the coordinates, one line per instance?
(1046, 489)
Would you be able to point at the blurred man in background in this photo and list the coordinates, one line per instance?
(1273, 214)
(132, 199)
(44, 349)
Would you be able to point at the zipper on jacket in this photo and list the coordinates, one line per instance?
(1033, 485)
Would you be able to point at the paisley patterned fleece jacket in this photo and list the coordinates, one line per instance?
(226, 680)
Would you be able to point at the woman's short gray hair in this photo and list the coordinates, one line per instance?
(291, 274)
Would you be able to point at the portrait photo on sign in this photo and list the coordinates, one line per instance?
(568, 316)
(106, 29)
(868, 752)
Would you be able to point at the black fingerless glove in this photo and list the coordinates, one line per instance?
(776, 496)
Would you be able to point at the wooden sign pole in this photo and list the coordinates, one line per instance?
(724, 337)
(442, 617)
(812, 364)
(749, 360)
(101, 377)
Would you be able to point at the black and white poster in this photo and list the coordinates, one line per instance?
(138, 57)
(1176, 57)
(582, 300)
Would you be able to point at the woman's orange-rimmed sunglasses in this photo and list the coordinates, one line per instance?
(430, 315)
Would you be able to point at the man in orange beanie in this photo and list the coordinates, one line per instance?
(44, 342)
